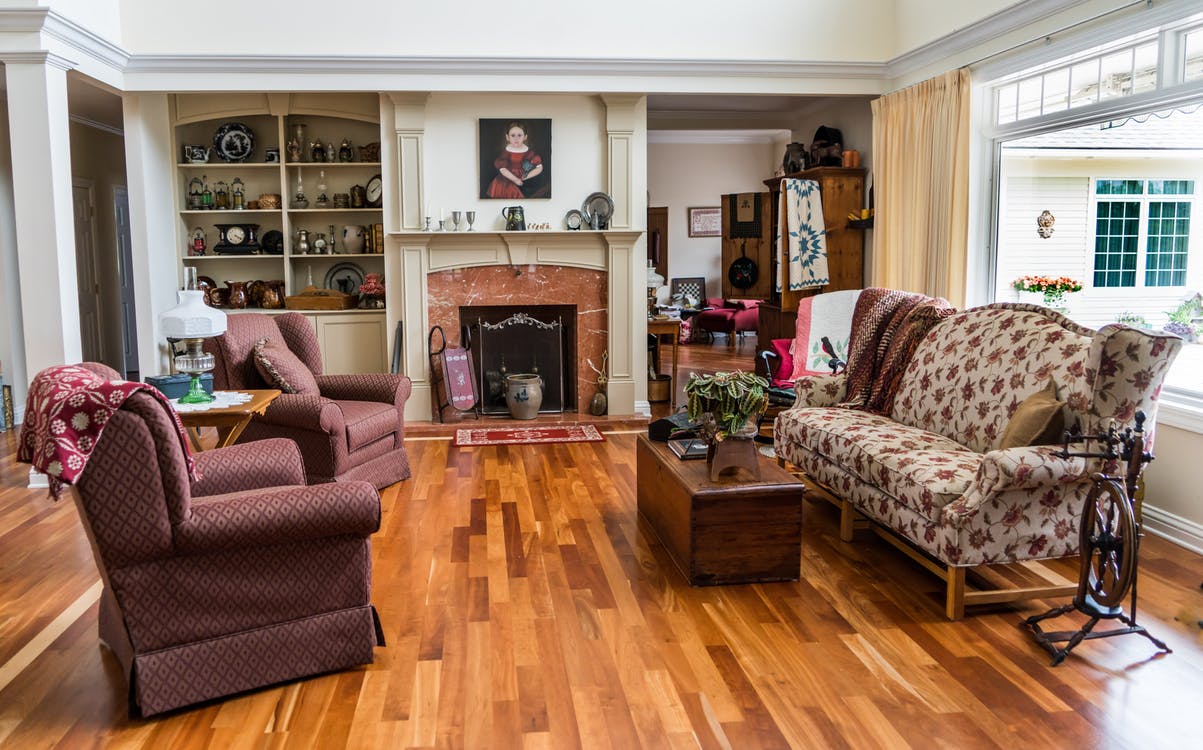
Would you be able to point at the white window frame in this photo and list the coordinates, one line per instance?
(1142, 229)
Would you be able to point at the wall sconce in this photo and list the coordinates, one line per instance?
(1044, 224)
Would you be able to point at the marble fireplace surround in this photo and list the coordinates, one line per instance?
(546, 263)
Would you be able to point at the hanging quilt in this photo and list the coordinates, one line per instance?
(801, 223)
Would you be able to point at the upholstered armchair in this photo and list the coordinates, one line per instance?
(242, 578)
(348, 427)
(731, 317)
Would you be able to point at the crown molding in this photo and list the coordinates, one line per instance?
(37, 57)
(85, 42)
(23, 19)
(96, 124)
(720, 137)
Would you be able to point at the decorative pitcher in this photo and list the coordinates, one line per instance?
(523, 395)
(236, 297)
(514, 219)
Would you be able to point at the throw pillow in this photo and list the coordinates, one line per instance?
(785, 370)
(1037, 421)
(283, 369)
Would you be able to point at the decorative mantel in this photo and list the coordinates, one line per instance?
(411, 256)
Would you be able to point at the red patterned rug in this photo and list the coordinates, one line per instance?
(555, 433)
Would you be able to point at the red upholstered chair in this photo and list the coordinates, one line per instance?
(351, 428)
(731, 317)
(244, 578)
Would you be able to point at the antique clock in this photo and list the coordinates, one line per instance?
(237, 239)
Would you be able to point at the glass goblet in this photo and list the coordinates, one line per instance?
(471, 216)
(455, 218)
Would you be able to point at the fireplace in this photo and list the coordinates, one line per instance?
(513, 339)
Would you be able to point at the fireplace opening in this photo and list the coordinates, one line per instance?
(514, 339)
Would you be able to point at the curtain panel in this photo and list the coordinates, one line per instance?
(921, 186)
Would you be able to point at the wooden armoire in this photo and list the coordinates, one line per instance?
(843, 191)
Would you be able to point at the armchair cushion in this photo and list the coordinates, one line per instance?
(745, 304)
(1039, 420)
(274, 462)
(367, 421)
(283, 369)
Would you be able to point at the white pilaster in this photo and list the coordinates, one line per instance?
(409, 122)
(156, 266)
(40, 142)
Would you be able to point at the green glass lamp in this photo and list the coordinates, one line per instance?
(192, 321)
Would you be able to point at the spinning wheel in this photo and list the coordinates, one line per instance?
(1109, 542)
(1108, 547)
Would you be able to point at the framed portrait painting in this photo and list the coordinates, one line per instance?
(515, 158)
(705, 222)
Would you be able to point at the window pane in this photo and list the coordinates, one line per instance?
(1194, 56)
(1115, 248)
(1084, 83)
(1171, 187)
(1006, 103)
(1166, 256)
(1056, 90)
(1119, 187)
(1116, 75)
(1029, 97)
(1146, 68)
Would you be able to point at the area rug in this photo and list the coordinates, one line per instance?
(555, 433)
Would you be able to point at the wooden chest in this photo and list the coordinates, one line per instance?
(736, 530)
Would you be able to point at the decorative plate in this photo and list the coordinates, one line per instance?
(272, 242)
(344, 277)
(597, 210)
(573, 219)
(234, 142)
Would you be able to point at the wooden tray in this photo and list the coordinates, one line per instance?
(312, 298)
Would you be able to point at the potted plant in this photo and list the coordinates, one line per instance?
(1053, 288)
(727, 405)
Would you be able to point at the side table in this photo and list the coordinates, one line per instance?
(230, 421)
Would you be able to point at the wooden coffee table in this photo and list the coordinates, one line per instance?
(735, 530)
(230, 421)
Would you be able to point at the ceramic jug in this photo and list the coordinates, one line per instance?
(273, 295)
(514, 220)
(523, 395)
(236, 297)
(353, 238)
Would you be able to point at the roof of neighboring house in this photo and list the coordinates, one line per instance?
(1180, 128)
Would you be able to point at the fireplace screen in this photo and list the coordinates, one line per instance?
(511, 341)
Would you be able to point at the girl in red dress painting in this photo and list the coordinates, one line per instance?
(517, 164)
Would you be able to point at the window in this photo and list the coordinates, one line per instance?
(1133, 214)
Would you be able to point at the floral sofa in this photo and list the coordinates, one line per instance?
(929, 472)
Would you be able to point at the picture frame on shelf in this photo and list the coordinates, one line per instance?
(705, 221)
(515, 158)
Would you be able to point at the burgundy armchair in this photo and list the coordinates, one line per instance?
(351, 429)
(243, 578)
(731, 317)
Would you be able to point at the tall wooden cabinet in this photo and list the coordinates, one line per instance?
(843, 191)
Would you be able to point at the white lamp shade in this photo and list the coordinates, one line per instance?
(192, 318)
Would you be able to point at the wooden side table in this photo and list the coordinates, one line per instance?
(672, 328)
(230, 421)
(734, 530)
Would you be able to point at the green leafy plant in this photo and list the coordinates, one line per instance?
(1132, 319)
(1182, 319)
(732, 397)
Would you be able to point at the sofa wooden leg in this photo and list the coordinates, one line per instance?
(954, 602)
(847, 519)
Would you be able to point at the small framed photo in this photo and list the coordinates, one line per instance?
(705, 222)
(515, 157)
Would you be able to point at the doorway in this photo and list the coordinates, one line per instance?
(83, 194)
(125, 277)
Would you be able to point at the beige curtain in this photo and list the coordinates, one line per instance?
(921, 187)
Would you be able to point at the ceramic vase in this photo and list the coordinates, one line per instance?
(523, 395)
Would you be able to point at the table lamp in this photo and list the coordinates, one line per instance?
(654, 282)
(192, 321)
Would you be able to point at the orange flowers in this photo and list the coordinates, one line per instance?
(1045, 284)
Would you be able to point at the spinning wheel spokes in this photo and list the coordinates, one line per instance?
(1108, 547)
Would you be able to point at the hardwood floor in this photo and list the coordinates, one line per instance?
(525, 606)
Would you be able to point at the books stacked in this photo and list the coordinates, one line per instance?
(687, 448)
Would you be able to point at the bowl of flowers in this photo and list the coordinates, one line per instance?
(1052, 288)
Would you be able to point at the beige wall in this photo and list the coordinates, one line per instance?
(683, 175)
(99, 156)
(1172, 485)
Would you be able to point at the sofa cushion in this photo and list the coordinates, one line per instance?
(921, 469)
(367, 421)
(1039, 420)
(283, 369)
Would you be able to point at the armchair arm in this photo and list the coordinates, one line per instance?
(383, 387)
(304, 411)
(274, 462)
(284, 514)
(819, 390)
(1030, 469)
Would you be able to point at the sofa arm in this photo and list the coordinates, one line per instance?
(275, 462)
(303, 411)
(1031, 468)
(385, 388)
(819, 390)
(275, 516)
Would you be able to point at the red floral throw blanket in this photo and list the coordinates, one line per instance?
(65, 412)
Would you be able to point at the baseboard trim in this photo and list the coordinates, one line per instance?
(38, 480)
(1181, 531)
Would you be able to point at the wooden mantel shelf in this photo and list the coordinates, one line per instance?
(582, 248)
